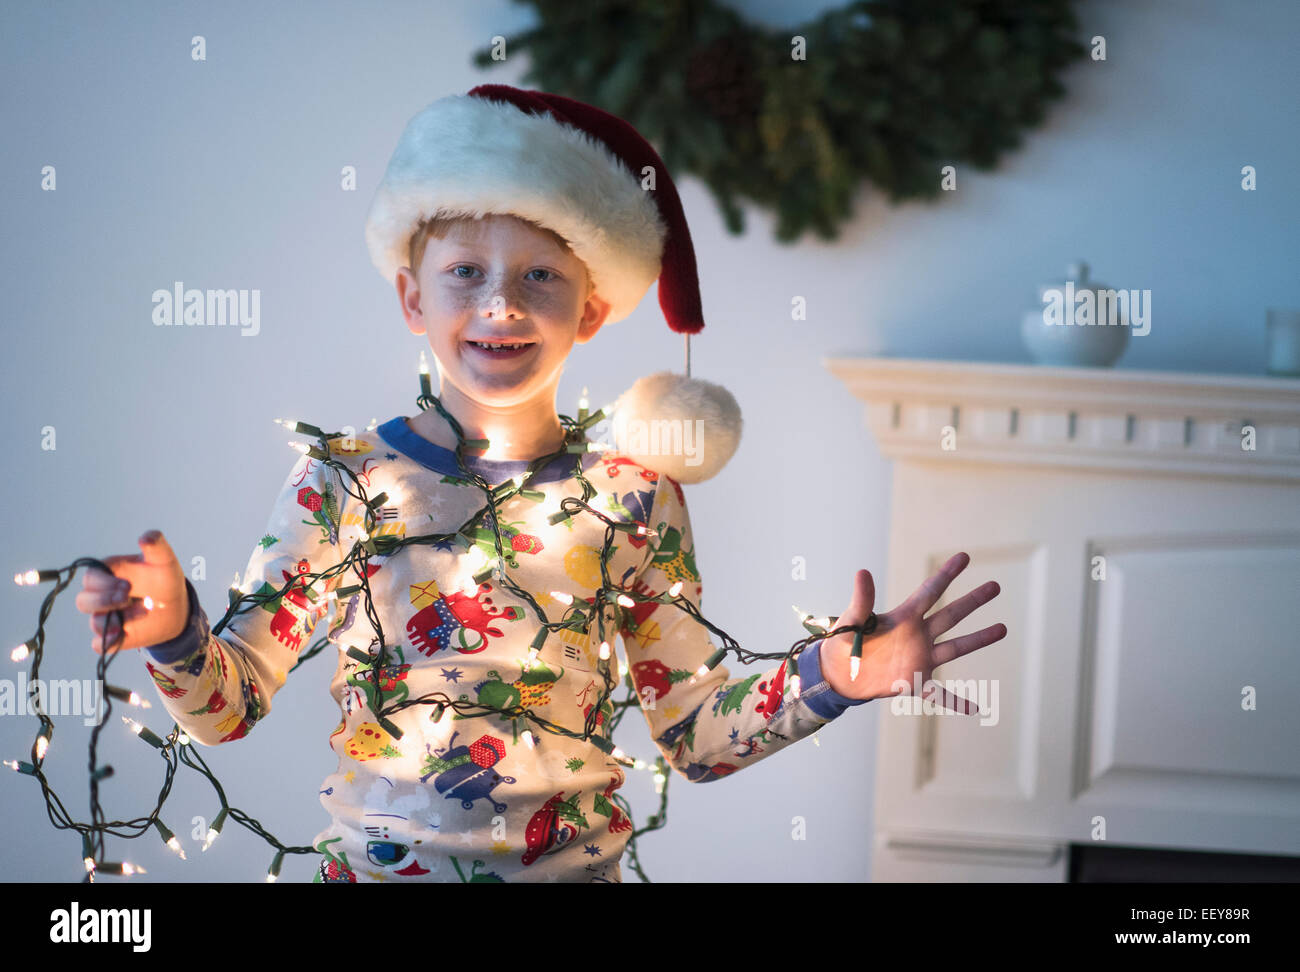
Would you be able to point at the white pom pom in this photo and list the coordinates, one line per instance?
(685, 428)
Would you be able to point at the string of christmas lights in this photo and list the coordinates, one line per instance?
(176, 747)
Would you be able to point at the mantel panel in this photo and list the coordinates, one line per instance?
(1192, 672)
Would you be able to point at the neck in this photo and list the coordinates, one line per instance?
(523, 432)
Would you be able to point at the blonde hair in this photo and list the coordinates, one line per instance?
(440, 223)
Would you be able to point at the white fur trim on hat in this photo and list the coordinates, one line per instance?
(473, 156)
(686, 428)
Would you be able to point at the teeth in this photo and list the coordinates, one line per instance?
(495, 347)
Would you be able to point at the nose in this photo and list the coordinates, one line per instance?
(503, 303)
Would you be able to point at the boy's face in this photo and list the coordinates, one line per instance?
(500, 280)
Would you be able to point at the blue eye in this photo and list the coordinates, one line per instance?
(462, 266)
(540, 270)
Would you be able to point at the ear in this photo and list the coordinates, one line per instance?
(408, 295)
(594, 314)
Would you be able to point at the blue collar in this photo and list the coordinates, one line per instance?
(399, 435)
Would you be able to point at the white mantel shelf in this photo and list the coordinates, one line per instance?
(1155, 421)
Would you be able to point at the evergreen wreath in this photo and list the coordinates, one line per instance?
(888, 90)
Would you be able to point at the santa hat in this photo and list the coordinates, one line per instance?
(579, 171)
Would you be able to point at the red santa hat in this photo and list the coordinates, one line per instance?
(593, 179)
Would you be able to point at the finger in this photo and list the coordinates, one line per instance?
(97, 645)
(112, 637)
(862, 601)
(95, 579)
(946, 617)
(123, 567)
(946, 651)
(954, 702)
(109, 630)
(93, 601)
(156, 549)
(928, 593)
(109, 620)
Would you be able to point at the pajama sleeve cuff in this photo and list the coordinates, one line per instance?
(815, 691)
(191, 638)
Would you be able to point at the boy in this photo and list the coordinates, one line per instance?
(509, 237)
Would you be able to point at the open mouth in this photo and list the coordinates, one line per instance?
(500, 349)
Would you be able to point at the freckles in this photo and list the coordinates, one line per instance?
(461, 301)
(476, 301)
(549, 306)
(555, 303)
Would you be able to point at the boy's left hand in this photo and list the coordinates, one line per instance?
(903, 643)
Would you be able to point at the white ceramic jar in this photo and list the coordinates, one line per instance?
(1069, 343)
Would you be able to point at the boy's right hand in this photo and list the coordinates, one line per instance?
(154, 573)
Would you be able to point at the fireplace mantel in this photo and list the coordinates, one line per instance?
(1149, 561)
(1157, 421)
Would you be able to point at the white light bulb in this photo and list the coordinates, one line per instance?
(19, 653)
(626, 601)
(675, 589)
(562, 597)
(604, 650)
